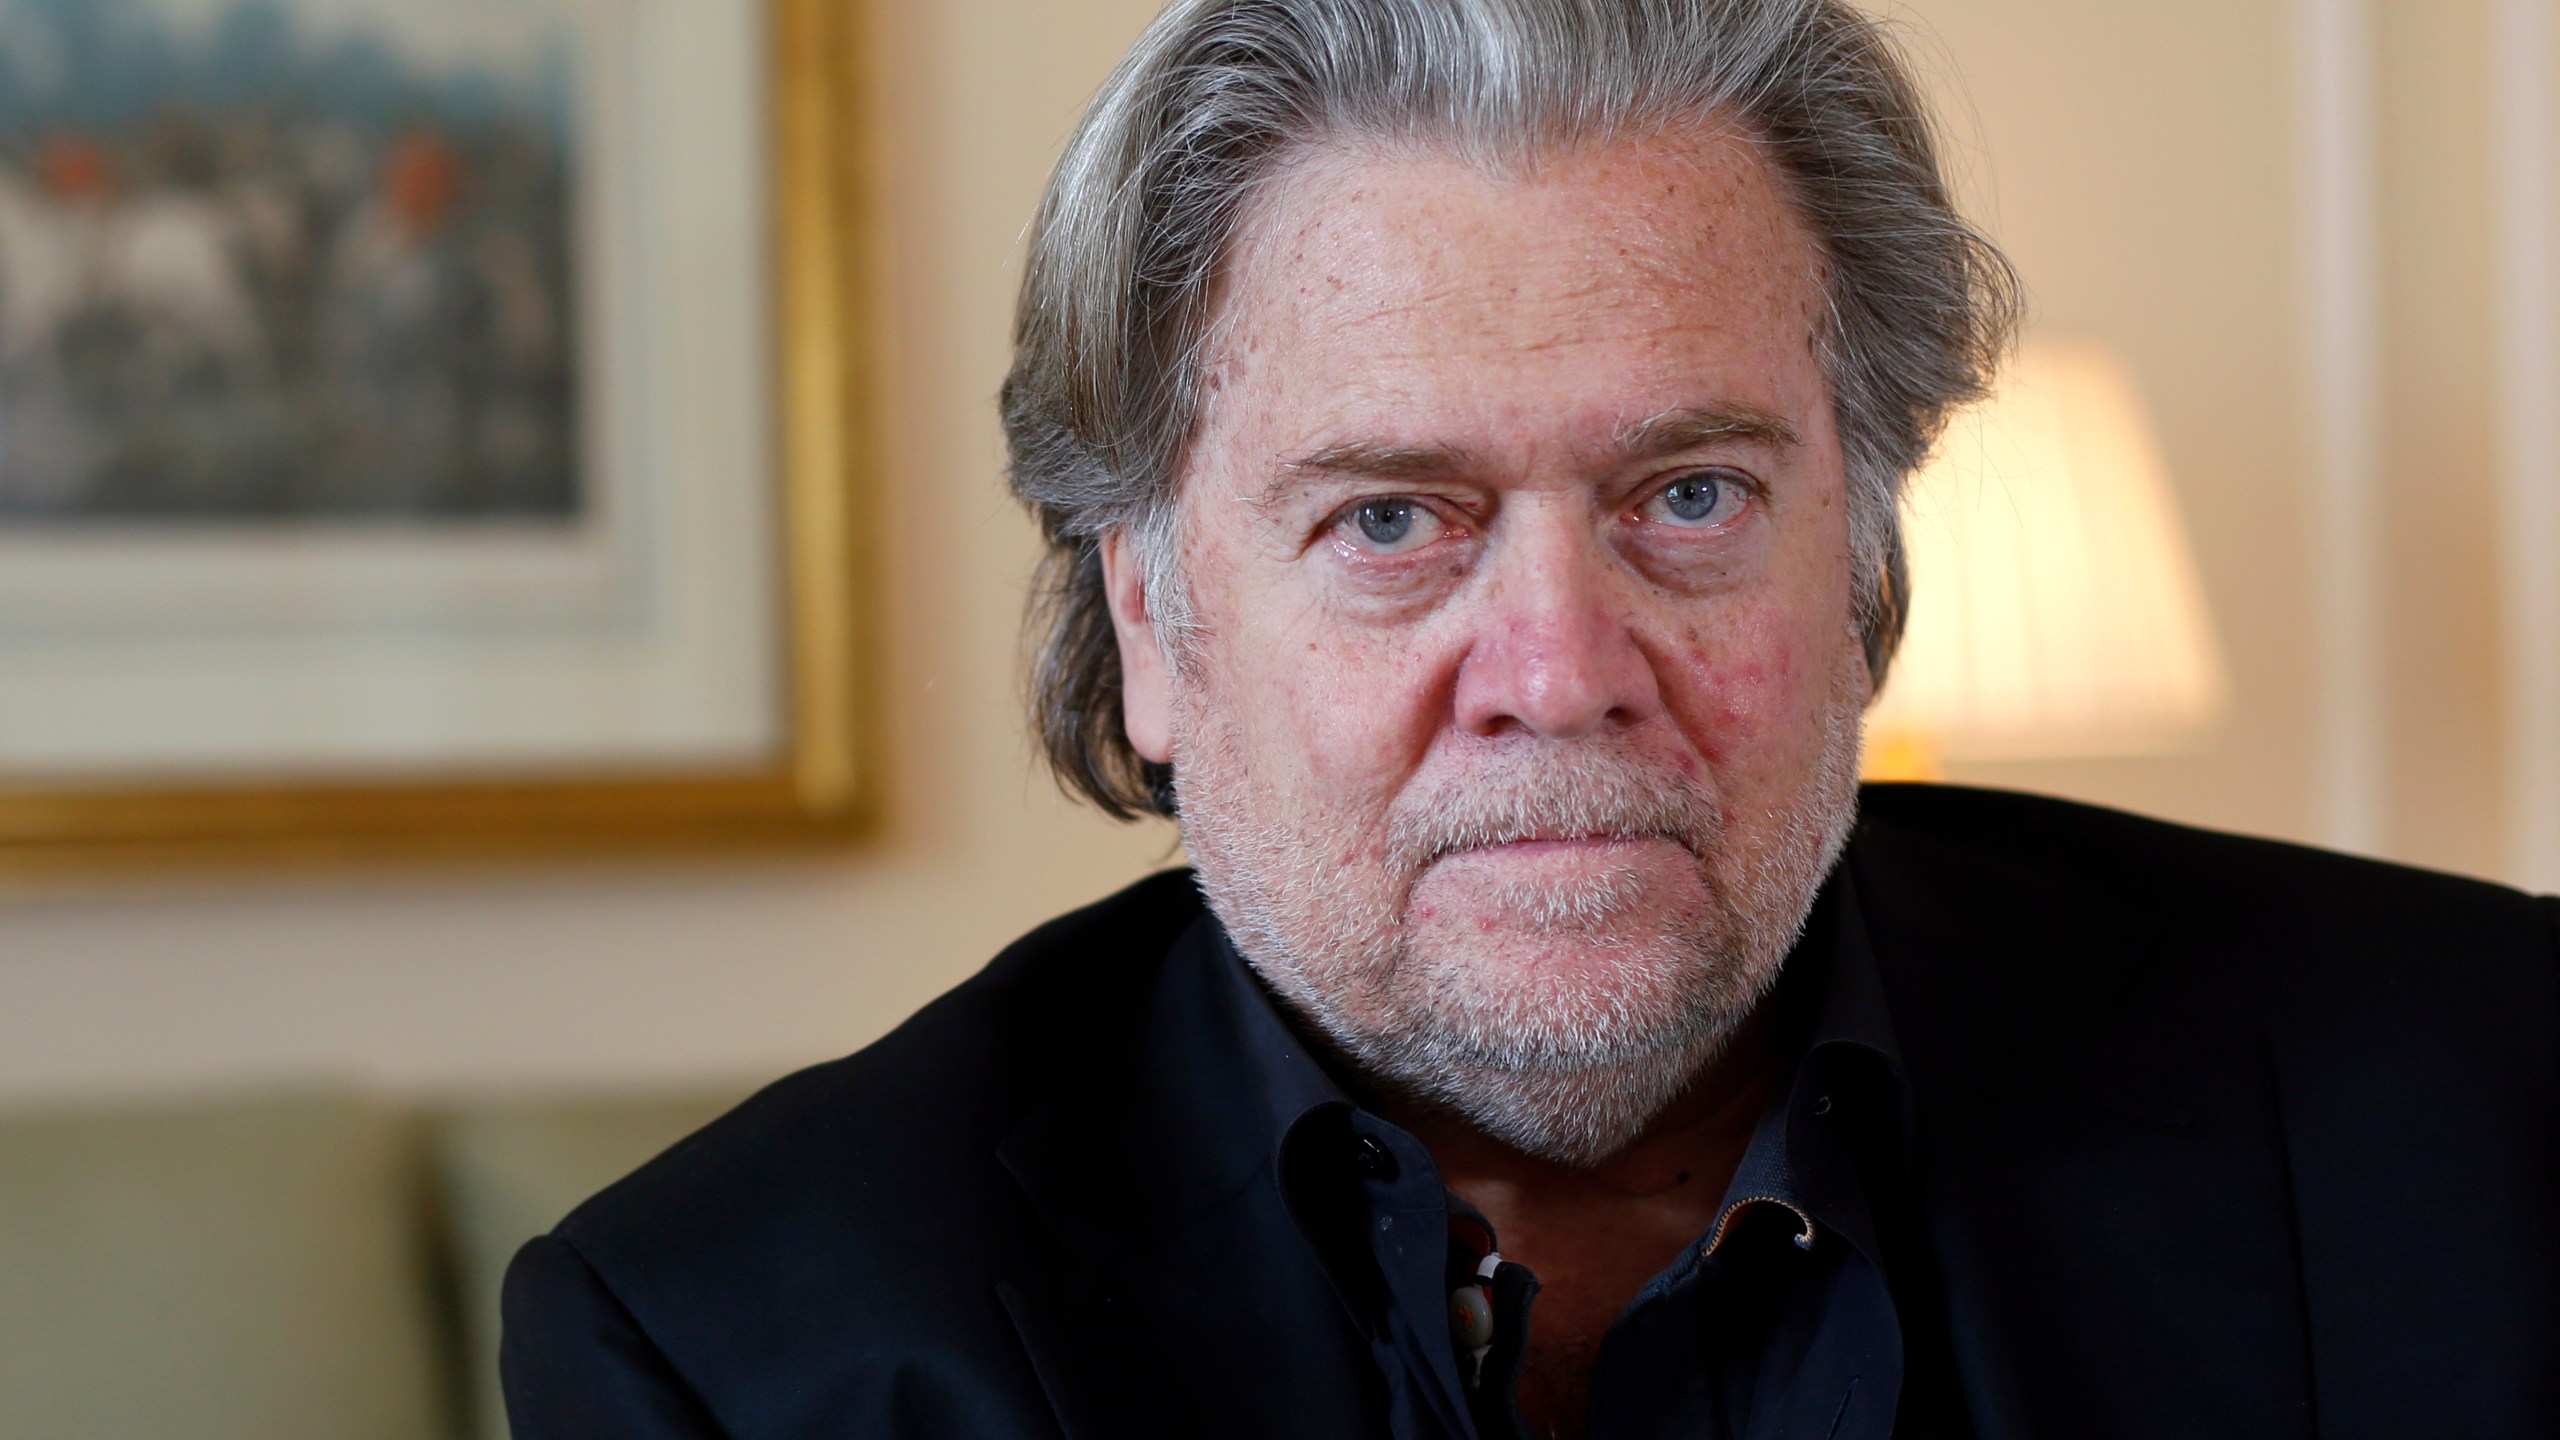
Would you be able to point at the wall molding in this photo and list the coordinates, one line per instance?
(2342, 350)
(2528, 401)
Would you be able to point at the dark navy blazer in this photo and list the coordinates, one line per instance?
(2215, 1137)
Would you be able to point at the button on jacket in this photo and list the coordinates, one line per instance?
(2198, 1136)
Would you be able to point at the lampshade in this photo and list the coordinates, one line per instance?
(2054, 604)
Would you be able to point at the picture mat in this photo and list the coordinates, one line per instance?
(650, 637)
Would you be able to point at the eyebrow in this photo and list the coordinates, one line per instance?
(1684, 428)
(1379, 462)
(1689, 426)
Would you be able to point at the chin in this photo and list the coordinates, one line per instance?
(1571, 1002)
(1561, 1045)
(1602, 890)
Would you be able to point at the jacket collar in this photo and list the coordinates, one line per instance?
(1182, 1298)
(1187, 1106)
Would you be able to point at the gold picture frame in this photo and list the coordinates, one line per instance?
(817, 788)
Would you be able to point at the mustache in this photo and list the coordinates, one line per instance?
(1568, 792)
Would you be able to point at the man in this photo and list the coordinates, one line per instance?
(1468, 434)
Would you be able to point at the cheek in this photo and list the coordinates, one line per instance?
(1756, 673)
(1754, 689)
(1361, 712)
(1336, 713)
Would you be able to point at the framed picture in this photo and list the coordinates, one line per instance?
(427, 425)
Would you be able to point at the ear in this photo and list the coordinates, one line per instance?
(1866, 666)
(1146, 697)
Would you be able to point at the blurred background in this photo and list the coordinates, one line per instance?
(2281, 217)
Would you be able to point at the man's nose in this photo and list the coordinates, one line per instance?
(1555, 651)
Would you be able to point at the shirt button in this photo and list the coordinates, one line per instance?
(1471, 1317)
(1374, 1160)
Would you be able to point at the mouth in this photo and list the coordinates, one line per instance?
(1505, 839)
(1559, 887)
(1586, 849)
(1568, 844)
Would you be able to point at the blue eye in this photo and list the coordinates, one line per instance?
(1386, 521)
(1698, 499)
(1388, 525)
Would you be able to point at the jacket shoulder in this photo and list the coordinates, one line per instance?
(2020, 879)
(2011, 836)
(858, 1208)
(2208, 1106)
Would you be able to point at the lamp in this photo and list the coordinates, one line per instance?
(2054, 604)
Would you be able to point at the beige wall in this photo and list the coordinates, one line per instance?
(2136, 161)
(2145, 165)
(2141, 161)
(2449, 759)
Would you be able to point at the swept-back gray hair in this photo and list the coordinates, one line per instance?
(1219, 94)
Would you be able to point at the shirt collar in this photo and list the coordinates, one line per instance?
(1846, 1110)
(1849, 1039)
(1271, 1073)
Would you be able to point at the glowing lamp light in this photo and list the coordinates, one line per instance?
(2054, 604)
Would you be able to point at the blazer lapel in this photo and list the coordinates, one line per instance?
(2099, 1173)
(2412, 1088)
(1180, 1297)
(1203, 1334)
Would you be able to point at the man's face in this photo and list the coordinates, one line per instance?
(1521, 719)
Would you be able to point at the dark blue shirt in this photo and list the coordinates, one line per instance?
(1779, 1321)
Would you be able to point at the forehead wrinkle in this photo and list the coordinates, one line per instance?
(1425, 350)
(1657, 244)
(1490, 311)
(1609, 278)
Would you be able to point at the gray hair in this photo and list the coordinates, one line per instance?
(1110, 330)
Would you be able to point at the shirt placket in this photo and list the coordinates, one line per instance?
(1409, 1236)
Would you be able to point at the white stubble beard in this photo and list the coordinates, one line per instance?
(1570, 1071)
